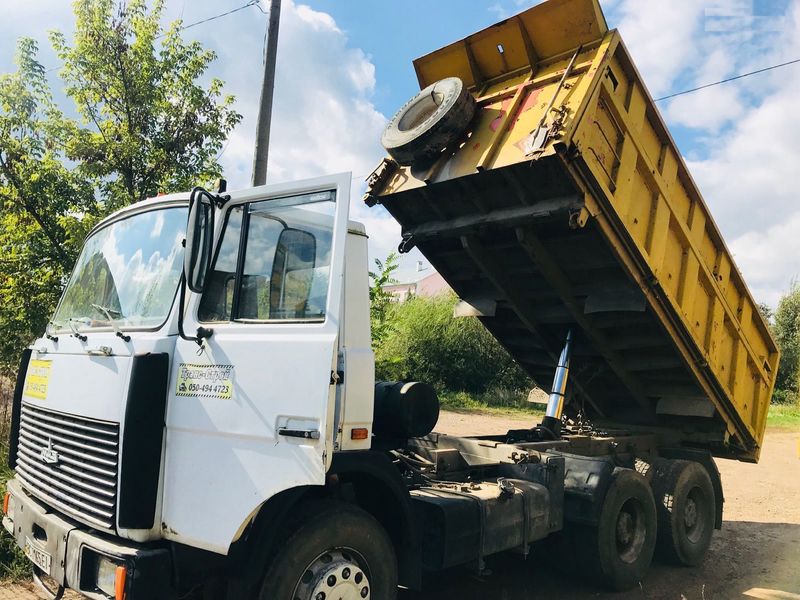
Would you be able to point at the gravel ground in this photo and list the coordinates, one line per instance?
(755, 555)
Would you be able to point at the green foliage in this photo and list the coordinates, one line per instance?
(787, 333)
(426, 343)
(379, 299)
(152, 128)
(495, 401)
(45, 207)
(146, 126)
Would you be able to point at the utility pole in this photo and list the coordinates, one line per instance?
(267, 89)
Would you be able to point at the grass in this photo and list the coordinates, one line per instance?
(784, 416)
(494, 402)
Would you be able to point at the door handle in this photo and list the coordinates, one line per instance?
(309, 434)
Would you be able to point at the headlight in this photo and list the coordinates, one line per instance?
(110, 577)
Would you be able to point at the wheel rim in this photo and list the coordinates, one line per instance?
(339, 574)
(631, 531)
(694, 515)
(421, 110)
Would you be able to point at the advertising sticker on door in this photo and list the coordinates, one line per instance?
(205, 381)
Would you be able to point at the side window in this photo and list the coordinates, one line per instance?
(285, 269)
(217, 301)
(287, 260)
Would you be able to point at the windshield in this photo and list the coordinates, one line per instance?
(127, 273)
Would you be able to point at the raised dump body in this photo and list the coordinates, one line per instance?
(566, 205)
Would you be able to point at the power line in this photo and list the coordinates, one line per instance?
(225, 14)
(729, 79)
(255, 3)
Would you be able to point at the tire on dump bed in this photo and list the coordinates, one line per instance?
(427, 123)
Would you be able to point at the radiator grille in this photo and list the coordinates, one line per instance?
(82, 482)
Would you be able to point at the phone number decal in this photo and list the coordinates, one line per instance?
(205, 381)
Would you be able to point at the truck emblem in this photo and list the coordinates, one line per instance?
(48, 455)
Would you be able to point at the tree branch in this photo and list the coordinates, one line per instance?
(31, 210)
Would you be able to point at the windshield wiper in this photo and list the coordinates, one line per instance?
(75, 333)
(47, 334)
(109, 312)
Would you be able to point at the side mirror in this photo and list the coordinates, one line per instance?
(292, 273)
(199, 241)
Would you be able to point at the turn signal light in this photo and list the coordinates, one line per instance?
(359, 433)
(6, 500)
(119, 583)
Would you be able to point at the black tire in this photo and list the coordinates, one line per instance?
(619, 550)
(427, 123)
(337, 544)
(686, 504)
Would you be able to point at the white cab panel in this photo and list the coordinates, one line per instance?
(224, 453)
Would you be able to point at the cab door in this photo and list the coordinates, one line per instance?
(251, 411)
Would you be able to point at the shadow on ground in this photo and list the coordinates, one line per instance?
(746, 560)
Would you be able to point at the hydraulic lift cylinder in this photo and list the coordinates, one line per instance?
(555, 405)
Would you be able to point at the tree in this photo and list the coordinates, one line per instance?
(46, 207)
(379, 299)
(150, 126)
(425, 342)
(787, 334)
(146, 125)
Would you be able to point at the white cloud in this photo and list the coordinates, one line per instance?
(659, 35)
(323, 117)
(770, 258)
(324, 120)
(712, 108)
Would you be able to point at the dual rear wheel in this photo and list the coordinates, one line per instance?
(686, 505)
(670, 513)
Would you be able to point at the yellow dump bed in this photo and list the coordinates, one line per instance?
(566, 205)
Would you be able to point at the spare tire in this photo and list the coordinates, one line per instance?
(427, 123)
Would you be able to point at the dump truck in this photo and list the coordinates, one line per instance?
(201, 414)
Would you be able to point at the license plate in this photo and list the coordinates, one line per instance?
(37, 556)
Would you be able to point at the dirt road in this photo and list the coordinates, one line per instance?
(755, 555)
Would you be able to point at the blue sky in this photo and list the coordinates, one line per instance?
(345, 66)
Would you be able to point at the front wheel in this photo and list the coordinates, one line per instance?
(339, 552)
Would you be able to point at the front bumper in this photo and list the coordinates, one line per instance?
(74, 551)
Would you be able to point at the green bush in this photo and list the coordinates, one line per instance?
(786, 329)
(424, 342)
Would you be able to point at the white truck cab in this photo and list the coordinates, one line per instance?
(133, 430)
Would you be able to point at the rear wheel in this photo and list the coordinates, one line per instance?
(686, 511)
(339, 552)
(620, 549)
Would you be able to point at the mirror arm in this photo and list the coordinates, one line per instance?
(202, 332)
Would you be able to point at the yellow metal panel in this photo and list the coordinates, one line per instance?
(708, 294)
(542, 32)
